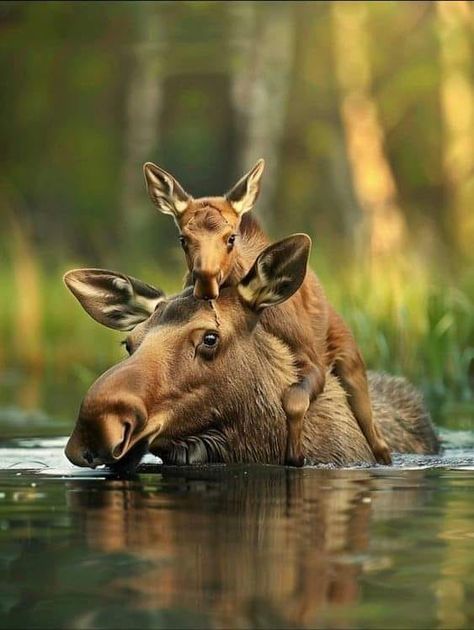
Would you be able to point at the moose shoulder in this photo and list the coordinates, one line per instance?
(204, 381)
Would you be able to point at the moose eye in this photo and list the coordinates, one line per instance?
(208, 346)
(231, 240)
(183, 241)
(210, 339)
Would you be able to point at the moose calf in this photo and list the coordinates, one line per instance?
(221, 240)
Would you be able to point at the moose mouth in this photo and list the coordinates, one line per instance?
(208, 447)
(127, 457)
(128, 463)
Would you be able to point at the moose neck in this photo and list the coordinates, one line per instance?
(255, 424)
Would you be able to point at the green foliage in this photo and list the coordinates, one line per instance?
(76, 125)
(408, 324)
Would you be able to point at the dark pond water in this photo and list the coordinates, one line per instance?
(245, 547)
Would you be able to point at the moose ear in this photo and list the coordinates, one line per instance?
(113, 299)
(243, 195)
(277, 273)
(165, 192)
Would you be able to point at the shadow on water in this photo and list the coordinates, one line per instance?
(234, 547)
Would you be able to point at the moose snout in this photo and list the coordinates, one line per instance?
(206, 284)
(104, 436)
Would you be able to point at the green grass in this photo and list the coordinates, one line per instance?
(412, 321)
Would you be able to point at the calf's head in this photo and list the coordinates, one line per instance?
(209, 226)
(191, 362)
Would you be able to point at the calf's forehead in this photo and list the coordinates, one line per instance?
(212, 215)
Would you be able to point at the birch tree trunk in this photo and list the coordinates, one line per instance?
(374, 184)
(263, 41)
(143, 106)
(455, 29)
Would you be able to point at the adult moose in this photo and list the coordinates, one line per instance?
(204, 381)
(221, 241)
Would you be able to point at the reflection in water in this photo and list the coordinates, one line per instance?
(246, 547)
(457, 531)
(267, 549)
(224, 547)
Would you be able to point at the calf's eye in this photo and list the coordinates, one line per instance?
(231, 240)
(184, 243)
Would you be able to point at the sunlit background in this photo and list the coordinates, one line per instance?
(363, 111)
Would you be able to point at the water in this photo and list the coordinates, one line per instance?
(236, 547)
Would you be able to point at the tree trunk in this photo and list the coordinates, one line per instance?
(374, 183)
(28, 313)
(263, 40)
(143, 108)
(455, 29)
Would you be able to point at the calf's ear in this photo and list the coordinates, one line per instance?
(243, 195)
(113, 299)
(165, 191)
(277, 274)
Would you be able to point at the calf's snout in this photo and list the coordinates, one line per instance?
(206, 284)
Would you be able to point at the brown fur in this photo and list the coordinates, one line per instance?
(190, 407)
(307, 323)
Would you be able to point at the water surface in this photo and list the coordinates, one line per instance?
(236, 547)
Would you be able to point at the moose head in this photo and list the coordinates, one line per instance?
(209, 226)
(195, 368)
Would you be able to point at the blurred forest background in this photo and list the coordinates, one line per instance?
(363, 111)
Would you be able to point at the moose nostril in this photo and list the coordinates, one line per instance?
(119, 448)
